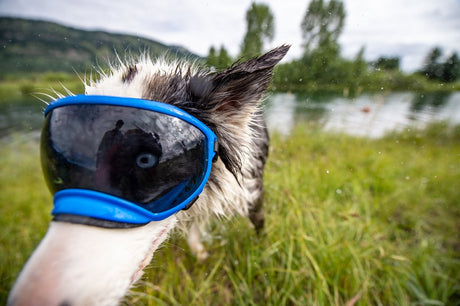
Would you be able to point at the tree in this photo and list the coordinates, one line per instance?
(387, 63)
(358, 69)
(451, 69)
(322, 25)
(220, 60)
(211, 59)
(432, 67)
(260, 29)
(223, 59)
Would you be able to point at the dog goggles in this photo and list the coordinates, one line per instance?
(123, 159)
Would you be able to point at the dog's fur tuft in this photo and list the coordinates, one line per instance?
(228, 102)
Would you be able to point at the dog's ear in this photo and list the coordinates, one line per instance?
(232, 98)
(243, 84)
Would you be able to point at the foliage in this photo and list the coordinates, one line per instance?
(219, 60)
(447, 71)
(259, 28)
(323, 68)
(376, 225)
(387, 63)
(322, 25)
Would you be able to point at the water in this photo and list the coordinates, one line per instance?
(22, 115)
(370, 115)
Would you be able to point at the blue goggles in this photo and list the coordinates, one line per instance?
(123, 160)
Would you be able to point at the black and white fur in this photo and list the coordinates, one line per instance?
(87, 265)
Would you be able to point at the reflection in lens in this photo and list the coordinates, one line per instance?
(146, 160)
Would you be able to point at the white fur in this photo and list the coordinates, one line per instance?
(87, 265)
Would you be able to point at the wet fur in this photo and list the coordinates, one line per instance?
(79, 264)
(229, 103)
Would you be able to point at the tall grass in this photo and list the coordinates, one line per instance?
(24, 206)
(348, 221)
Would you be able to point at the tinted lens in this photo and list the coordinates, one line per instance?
(152, 159)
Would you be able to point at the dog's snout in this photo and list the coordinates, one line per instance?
(65, 303)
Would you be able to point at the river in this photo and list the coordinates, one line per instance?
(370, 115)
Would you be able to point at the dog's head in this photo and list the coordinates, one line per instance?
(81, 264)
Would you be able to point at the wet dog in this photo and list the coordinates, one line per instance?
(81, 264)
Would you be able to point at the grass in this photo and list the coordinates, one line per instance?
(349, 221)
(22, 86)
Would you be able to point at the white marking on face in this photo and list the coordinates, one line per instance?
(86, 265)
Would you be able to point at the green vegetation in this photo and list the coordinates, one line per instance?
(349, 220)
(289, 77)
(24, 86)
(321, 67)
(447, 71)
(24, 207)
(219, 60)
(259, 29)
(39, 46)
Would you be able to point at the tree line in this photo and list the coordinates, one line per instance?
(321, 66)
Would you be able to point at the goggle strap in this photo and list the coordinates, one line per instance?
(216, 151)
(79, 219)
(190, 204)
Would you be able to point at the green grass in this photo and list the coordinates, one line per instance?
(24, 207)
(22, 86)
(348, 221)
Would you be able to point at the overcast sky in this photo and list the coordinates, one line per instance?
(405, 28)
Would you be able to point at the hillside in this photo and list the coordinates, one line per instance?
(39, 46)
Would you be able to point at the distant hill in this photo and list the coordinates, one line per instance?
(39, 46)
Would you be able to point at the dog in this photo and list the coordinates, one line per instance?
(86, 264)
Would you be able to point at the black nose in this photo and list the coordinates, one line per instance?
(65, 303)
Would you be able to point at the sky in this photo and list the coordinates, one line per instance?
(405, 28)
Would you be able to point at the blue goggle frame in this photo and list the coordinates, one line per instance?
(99, 205)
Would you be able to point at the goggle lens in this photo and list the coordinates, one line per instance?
(152, 159)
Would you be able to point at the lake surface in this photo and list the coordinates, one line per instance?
(370, 115)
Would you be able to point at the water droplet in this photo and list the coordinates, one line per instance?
(338, 191)
(327, 171)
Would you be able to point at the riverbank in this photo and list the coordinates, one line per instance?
(348, 220)
(376, 81)
(25, 86)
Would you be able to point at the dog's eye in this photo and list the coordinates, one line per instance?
(146, 160)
